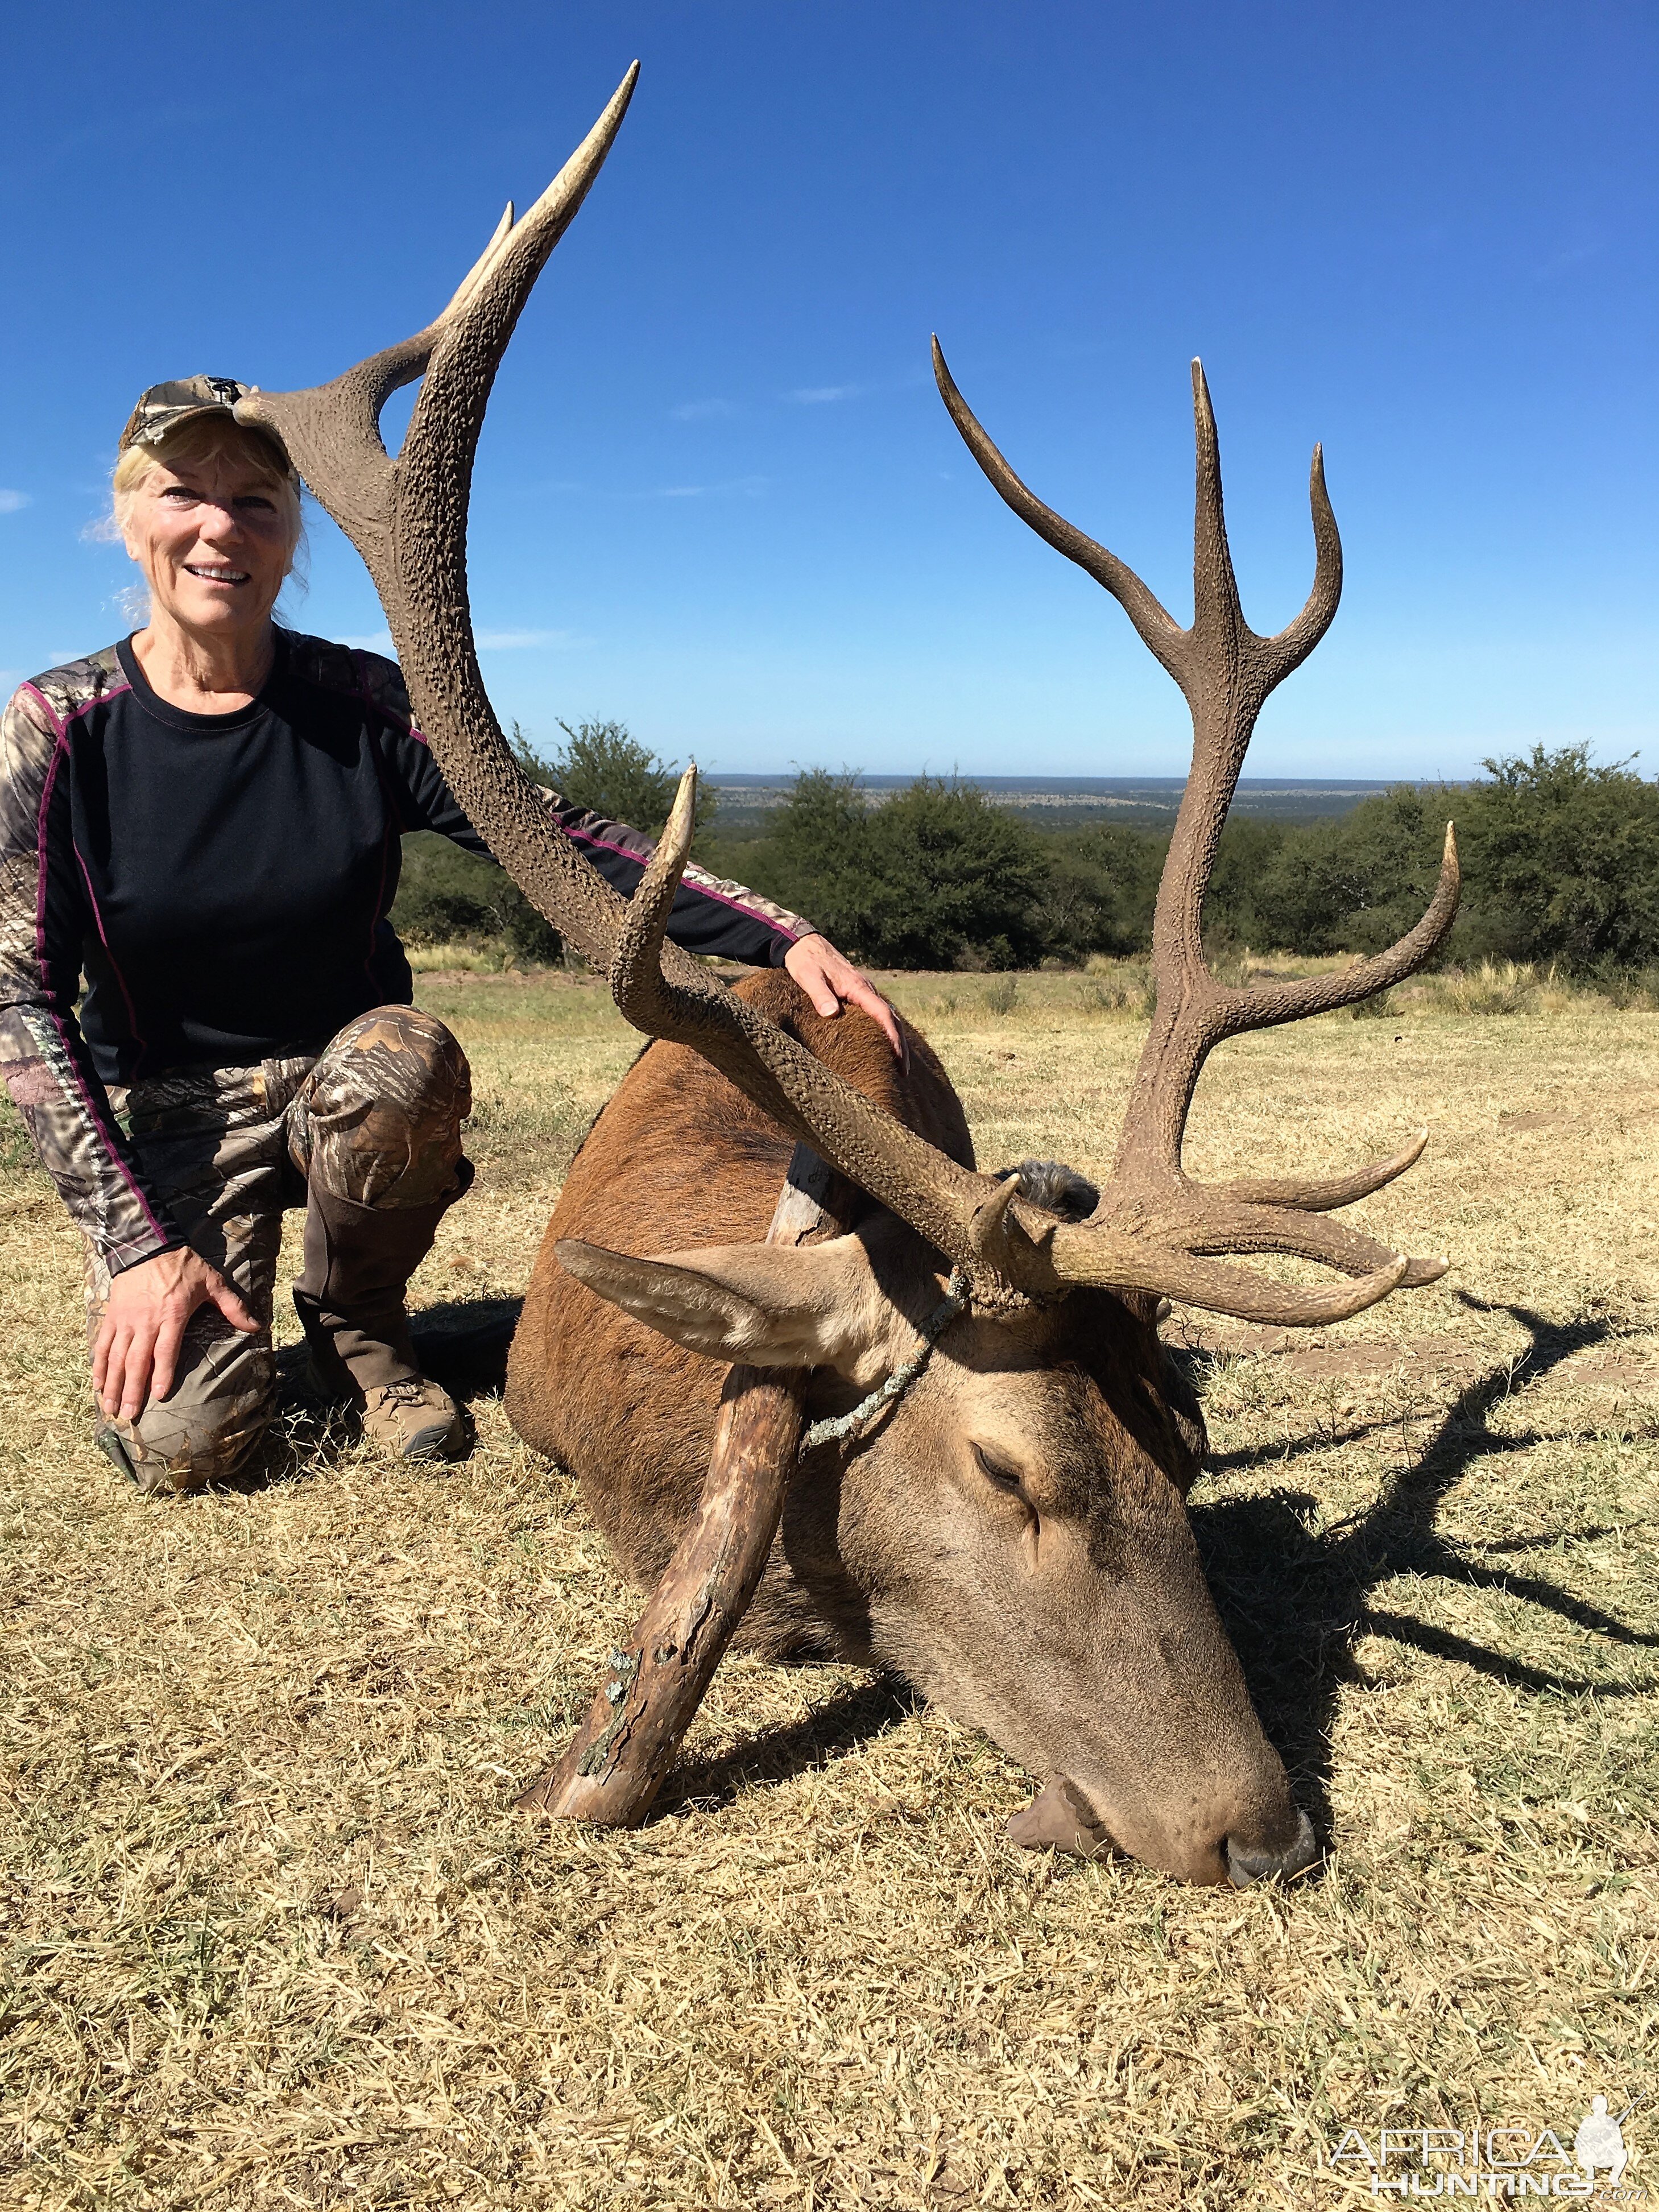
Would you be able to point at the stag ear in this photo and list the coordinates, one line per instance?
(764, 1305)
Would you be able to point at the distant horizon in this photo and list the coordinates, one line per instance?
(747, 798)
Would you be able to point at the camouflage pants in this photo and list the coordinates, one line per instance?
(376, 1117)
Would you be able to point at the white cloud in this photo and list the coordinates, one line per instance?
(745, 486)
(375, 641)
(702, 411)
(823, 395)
(11, 501)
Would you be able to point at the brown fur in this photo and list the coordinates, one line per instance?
(680, 1159)
(1011, 1536)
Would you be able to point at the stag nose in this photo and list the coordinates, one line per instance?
(1247, 1863)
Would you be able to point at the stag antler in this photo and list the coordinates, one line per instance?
(407, 517)
(1225, 671)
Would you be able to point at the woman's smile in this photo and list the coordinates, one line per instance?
(215, 541)
(218, 574)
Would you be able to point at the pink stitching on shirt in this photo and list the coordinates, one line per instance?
(702, 891)
(60, 726)
(60, 754)
(603, 845)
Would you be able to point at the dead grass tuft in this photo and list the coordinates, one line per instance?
(274, 1937)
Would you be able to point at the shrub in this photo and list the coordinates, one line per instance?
(1564, 858)
(446, 896)
(604, 767)
(1099, 892)
(937, 875)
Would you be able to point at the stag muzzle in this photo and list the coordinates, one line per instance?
(1145, 1730)
(1277, 1840)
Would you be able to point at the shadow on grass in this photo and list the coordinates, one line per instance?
(462, 1343)
(854, 1716)
(1296, 1600)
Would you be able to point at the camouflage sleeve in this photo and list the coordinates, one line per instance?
(711, 914)
(43, 1056)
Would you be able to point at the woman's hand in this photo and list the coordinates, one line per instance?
(829, 979)
(136, 1352)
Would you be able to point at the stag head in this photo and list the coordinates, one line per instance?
(1040, 1576)
(1010, 1536)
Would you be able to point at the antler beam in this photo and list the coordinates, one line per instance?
(1153, 1230)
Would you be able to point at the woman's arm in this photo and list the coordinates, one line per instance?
(43, 1056)
(711, 914)
(155, 1281)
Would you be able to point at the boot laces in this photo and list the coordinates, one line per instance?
(406, 1391)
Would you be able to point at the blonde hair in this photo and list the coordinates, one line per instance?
(198, 439)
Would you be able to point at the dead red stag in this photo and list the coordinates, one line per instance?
(1008, 1529)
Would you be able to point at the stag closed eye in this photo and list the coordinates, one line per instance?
(998, 1474)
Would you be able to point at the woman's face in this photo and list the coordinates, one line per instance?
(214, 540)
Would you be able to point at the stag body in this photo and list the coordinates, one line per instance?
(1011, 1537)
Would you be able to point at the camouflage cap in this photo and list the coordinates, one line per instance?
(165, 406)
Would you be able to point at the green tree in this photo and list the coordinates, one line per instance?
(1562, 860)
(603, 767)
(934, 874)
(1234, 909)
(1356, 884)
(1098, 891)
(814, 857)
(446, 896)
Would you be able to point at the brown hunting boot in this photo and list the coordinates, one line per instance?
(350, 1298)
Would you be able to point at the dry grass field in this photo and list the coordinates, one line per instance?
(273, 1935)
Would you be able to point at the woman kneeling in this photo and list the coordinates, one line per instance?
(204, 821)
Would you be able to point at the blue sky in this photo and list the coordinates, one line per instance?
(718, 496)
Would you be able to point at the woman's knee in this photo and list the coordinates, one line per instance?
(209, 1427)
(378, 1118)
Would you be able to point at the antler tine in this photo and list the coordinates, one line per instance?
(1126, 1262)
(407, 517)
(333, 431)
(1318, 1196)
(661, 990)
(1233, 671)
(1292, 645)
(1217, 1227)
(1156, 627)
(1217, 618)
